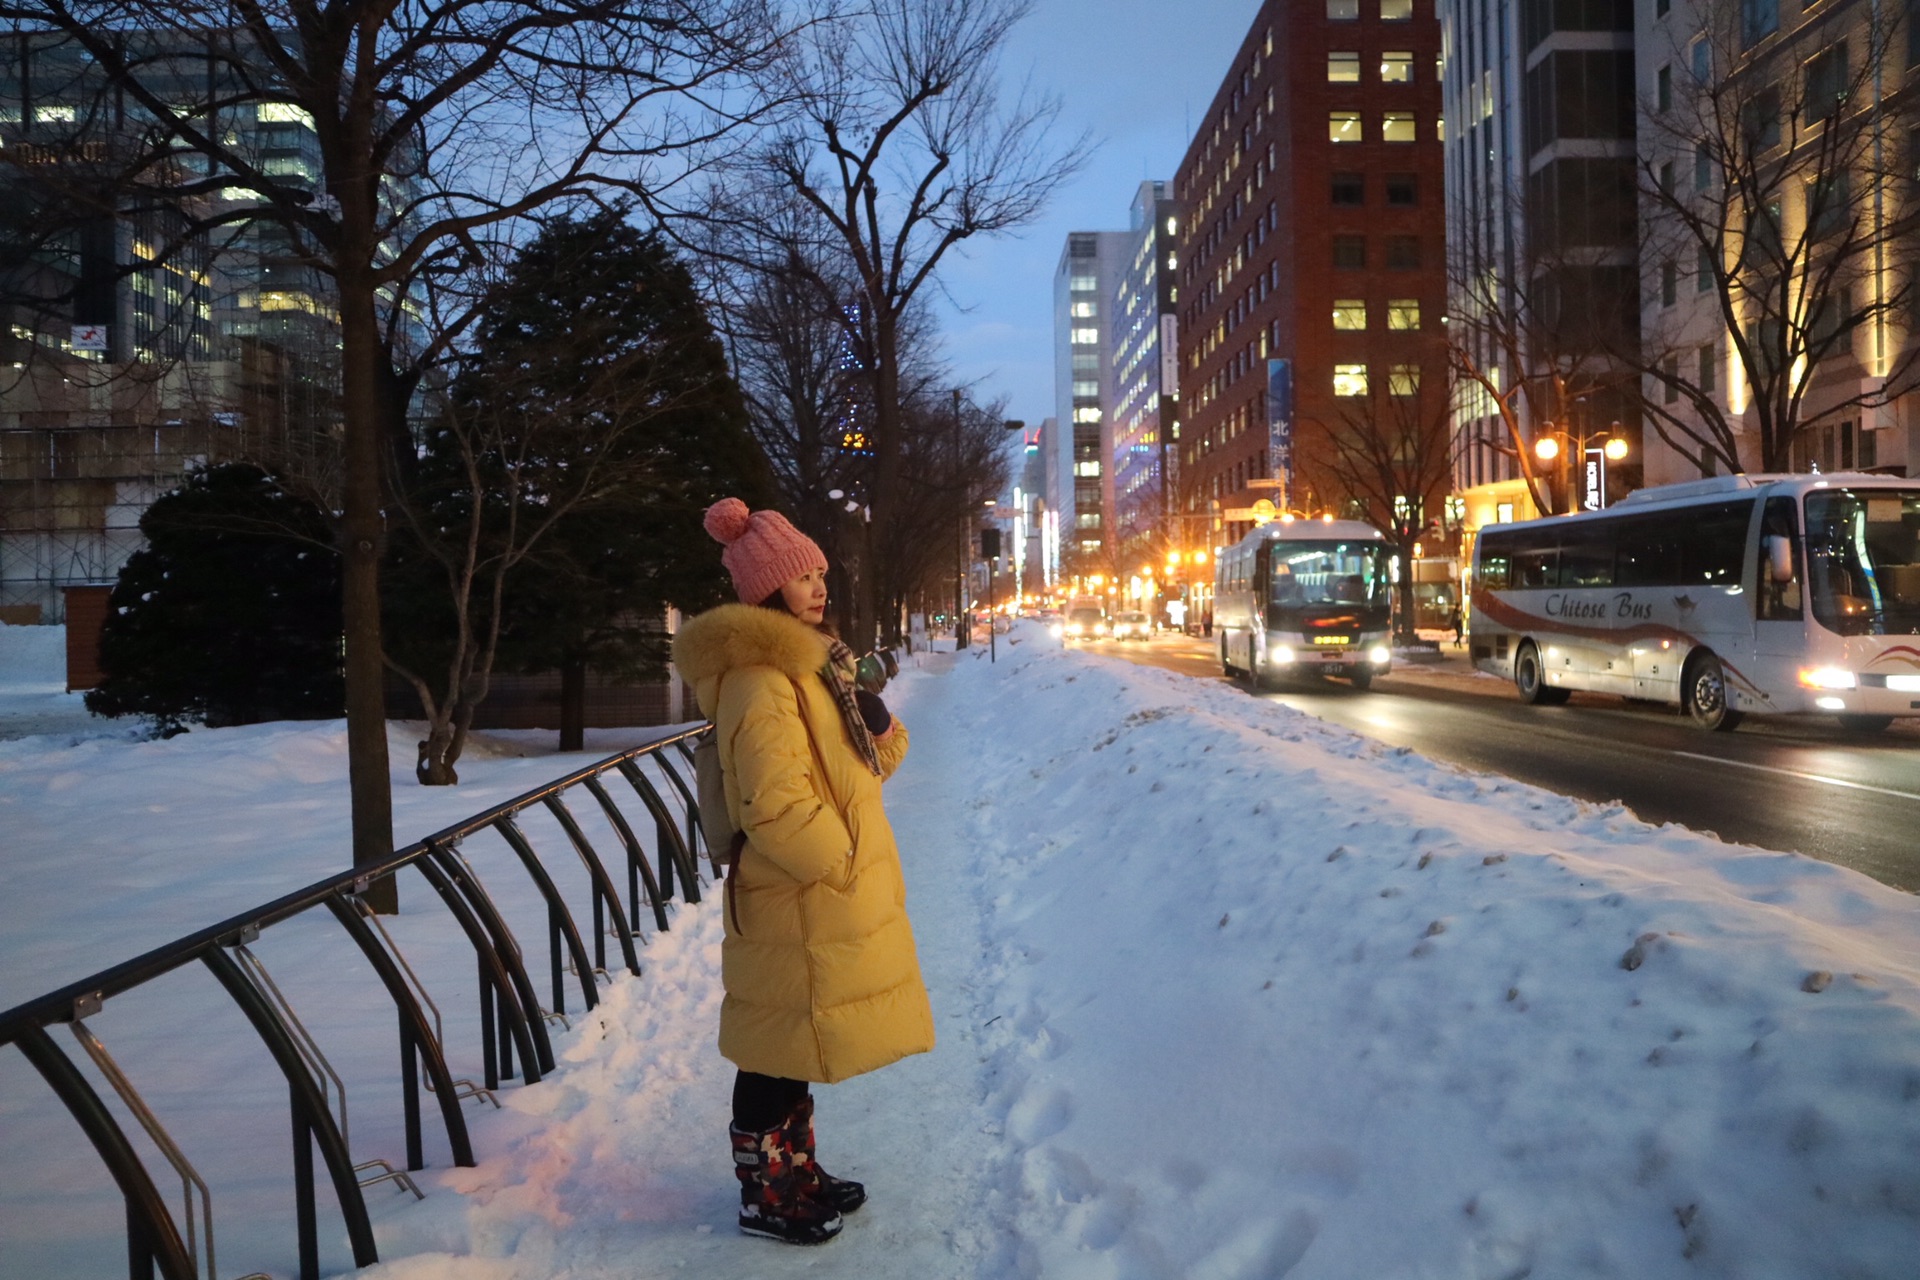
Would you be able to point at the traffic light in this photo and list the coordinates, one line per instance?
(989, 544)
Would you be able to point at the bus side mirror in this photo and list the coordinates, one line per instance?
(1779, 558)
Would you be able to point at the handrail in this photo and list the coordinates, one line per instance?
(56, 1006)
(511, 1019)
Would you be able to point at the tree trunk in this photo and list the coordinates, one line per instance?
(885, 497)
(573, 705)
(362, 534)
(434, 767)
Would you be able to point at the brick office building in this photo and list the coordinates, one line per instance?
(1313, 234)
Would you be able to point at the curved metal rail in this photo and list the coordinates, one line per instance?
(512, 1021)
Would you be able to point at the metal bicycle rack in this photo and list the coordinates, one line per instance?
(513, 1022)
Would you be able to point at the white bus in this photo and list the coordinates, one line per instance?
(1764, 595)
(1305, 597)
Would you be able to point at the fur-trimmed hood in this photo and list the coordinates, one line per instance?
(743, 635)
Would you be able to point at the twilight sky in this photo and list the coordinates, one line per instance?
(1135, 73)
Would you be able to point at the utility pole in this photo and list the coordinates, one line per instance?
(960, 627)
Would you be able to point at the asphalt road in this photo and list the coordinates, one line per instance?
(1804, 786)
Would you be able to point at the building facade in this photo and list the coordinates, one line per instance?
(1311, 261)
(133, 349)
(1543, 248)
(1788, 134)
(1146, 413)
(1085, 393)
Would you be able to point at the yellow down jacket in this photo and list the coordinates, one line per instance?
(822, 980)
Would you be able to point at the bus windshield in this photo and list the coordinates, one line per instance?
(1863, 560)
(1330, 574)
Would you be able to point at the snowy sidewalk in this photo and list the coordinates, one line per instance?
(1223, 993)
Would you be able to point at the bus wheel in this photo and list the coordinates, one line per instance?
(1706, 695)
(1530, 678)
(1864, 724)
(1361, 678)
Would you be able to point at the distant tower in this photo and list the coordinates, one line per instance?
(1084, 298)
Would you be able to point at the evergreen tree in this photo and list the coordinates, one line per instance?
(560, 495)
(231, 613)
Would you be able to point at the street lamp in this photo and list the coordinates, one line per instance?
(1593, 451)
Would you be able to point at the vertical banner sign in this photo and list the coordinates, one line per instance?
(1595, 495)
(1280, 428)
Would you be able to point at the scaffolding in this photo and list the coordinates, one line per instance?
(85, 449)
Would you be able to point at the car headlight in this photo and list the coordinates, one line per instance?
(1057, 630)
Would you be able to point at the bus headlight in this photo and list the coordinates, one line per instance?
(1058, 630)
(1379, 655)
(1280, 657)
(1830, 704)
(1826, 678)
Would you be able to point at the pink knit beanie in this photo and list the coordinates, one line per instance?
(763, 551)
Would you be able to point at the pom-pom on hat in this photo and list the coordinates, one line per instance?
(763, 551)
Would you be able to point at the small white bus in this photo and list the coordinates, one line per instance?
(1734, 596)
(1305, 597)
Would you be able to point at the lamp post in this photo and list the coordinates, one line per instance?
(1554, 445)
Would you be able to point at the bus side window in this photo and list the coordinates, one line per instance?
(1586, 558)
(1494, 564)
(1716, 549)
(1536, 567)
(1649, 552)
(1778, 599)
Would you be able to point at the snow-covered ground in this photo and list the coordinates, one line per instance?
(1222, 992)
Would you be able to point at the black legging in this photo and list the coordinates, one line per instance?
(761, 1102)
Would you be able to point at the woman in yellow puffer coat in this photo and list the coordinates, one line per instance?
(822, 980)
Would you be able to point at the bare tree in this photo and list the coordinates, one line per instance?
(1775, 224)
(902, 148)
(440, 124)
(1393, 455)
(1527, 344)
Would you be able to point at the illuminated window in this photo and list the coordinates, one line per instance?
(1343, 68)
(1397, 126)
(1396, 66)
(1349, 313)
(1343, 126)
(1083, 310)
(1403, 379)
(1086, 336)
(1403, 313)
(53, 115)
(283, 113)
(1350, 380)
(1086, 415)
(1396, 10)
(1086, 388)
(1343, 10)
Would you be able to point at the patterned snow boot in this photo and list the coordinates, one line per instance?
(775, 1201)
(843, 1194)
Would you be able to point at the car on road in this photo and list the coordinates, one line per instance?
(1085, 623)
(1132, 626)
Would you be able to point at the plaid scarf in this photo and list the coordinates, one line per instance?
(840, 661)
